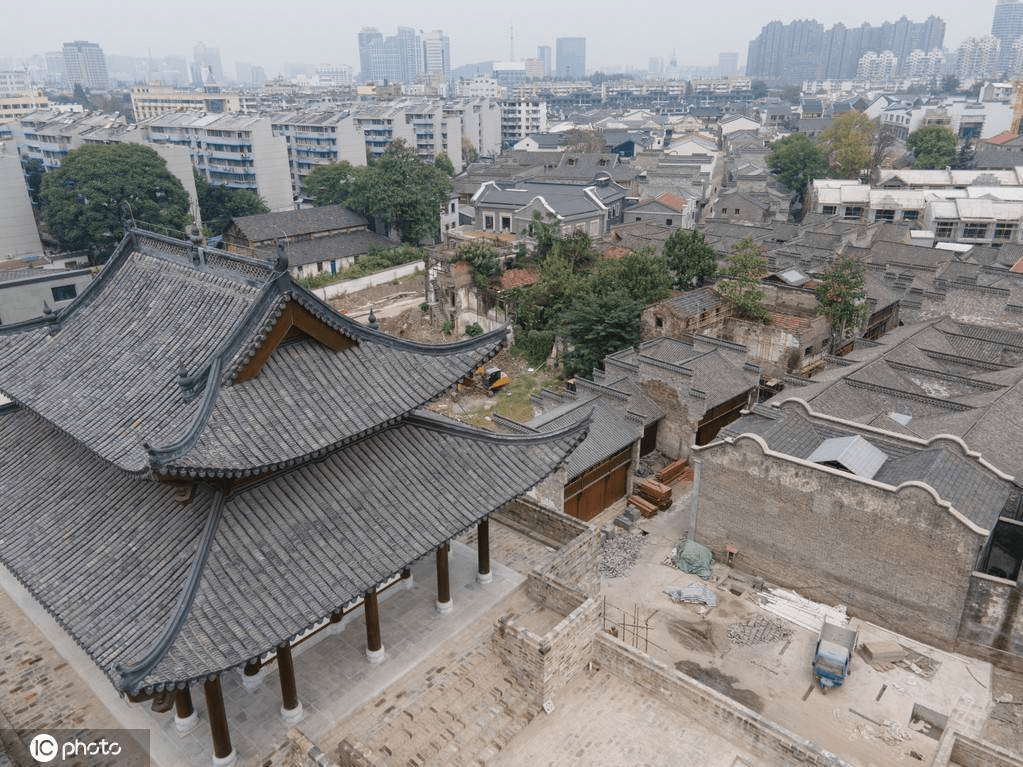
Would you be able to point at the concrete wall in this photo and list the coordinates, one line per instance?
(542, 665)
(992, 622)
(897, 558)
(24, 299)
(723, 716)
(369, 281)
(18, 233)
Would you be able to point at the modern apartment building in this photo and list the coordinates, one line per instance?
(422, 124)
(48, 136)
(397, 59)
(85, 65)
(239, 151)
(318, 137)
(24, 103)
(437, 54)
(1007, 26)
(480, 122)
(18, 233)
(520, 118)
(151, 100)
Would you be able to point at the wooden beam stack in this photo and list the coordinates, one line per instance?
(673, 471)
(656, 493)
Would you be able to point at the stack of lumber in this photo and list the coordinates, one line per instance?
(656, 493)
(647, 508)
(673, 471)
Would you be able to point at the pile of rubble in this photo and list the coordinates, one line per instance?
(620, 553)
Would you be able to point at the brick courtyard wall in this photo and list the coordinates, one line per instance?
(718, 713)
(992, 622)
(901, 558)
(576, 542)
(542, 665)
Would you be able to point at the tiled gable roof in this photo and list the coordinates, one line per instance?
(262, 227)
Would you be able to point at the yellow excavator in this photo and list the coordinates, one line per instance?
(493, 379)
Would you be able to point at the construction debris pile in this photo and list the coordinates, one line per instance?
(620, 553)
(694, 592)
(801, 611)
(760, 630)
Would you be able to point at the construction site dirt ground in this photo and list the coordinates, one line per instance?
(867, 721)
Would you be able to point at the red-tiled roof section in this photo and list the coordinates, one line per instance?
(673, 201)
(517, 278)
(1002, 138)
(1017, 268)
(789, 322)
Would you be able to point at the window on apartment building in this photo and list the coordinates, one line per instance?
(1005, 231)
(488, 222)
(829, 210)
(974, 231)
(884, 215)
(64, 292)
(910, 215)
(854, 211)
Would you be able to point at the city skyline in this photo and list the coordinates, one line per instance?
(239, 32)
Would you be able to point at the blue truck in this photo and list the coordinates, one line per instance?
(833, 655)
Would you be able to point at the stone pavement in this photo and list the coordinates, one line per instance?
(332, 672)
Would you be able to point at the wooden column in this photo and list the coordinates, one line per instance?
(185, 717)
(483, 574)
(291, 708)
(374, 647)
(223, 751)
(443, 581)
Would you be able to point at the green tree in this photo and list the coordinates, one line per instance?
(689, 257)
(544, 232)
(642, 277)
(758, 89)
(219, 204)
(841, 295)
(848, 143)
(949, 84)
(933, 146)
(443, 162)
(82, 199)
(582, 140)
(400, 191)
(469, 153)
(33, 169)
(747, 266)
(485, 266)
(598, 325)
(330, 184)
(797, 160)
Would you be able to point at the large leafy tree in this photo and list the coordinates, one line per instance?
(600, 324)
(848, 144)
(689, 257)
(841, 295)
(747, 266)
(400, 191)
(82, 199)
(219, 204)
(934, 146)
(329, 184)
(797, 160)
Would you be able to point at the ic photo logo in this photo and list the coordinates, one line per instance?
(85, 748)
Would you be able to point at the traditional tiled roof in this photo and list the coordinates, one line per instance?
(159, 593)
(167, 397)
(263, 227)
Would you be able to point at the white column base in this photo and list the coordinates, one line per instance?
(292, 715)
(410, 582)
(376, 656)
(253, 682)
(226, 761)
(485, 577)
(186, 725)
(445, 607)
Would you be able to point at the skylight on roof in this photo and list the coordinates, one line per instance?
(853, 454)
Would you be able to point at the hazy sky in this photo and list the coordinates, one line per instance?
(269, 33)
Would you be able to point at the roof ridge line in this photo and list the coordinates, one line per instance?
(166, 453)
(430, 420)
(132, 675)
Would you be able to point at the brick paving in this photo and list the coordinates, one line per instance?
(38, 688)
(461, 708)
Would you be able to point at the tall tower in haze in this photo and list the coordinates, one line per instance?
(437, 54)
(571, 58)
(85, 65)
(1007, 26)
